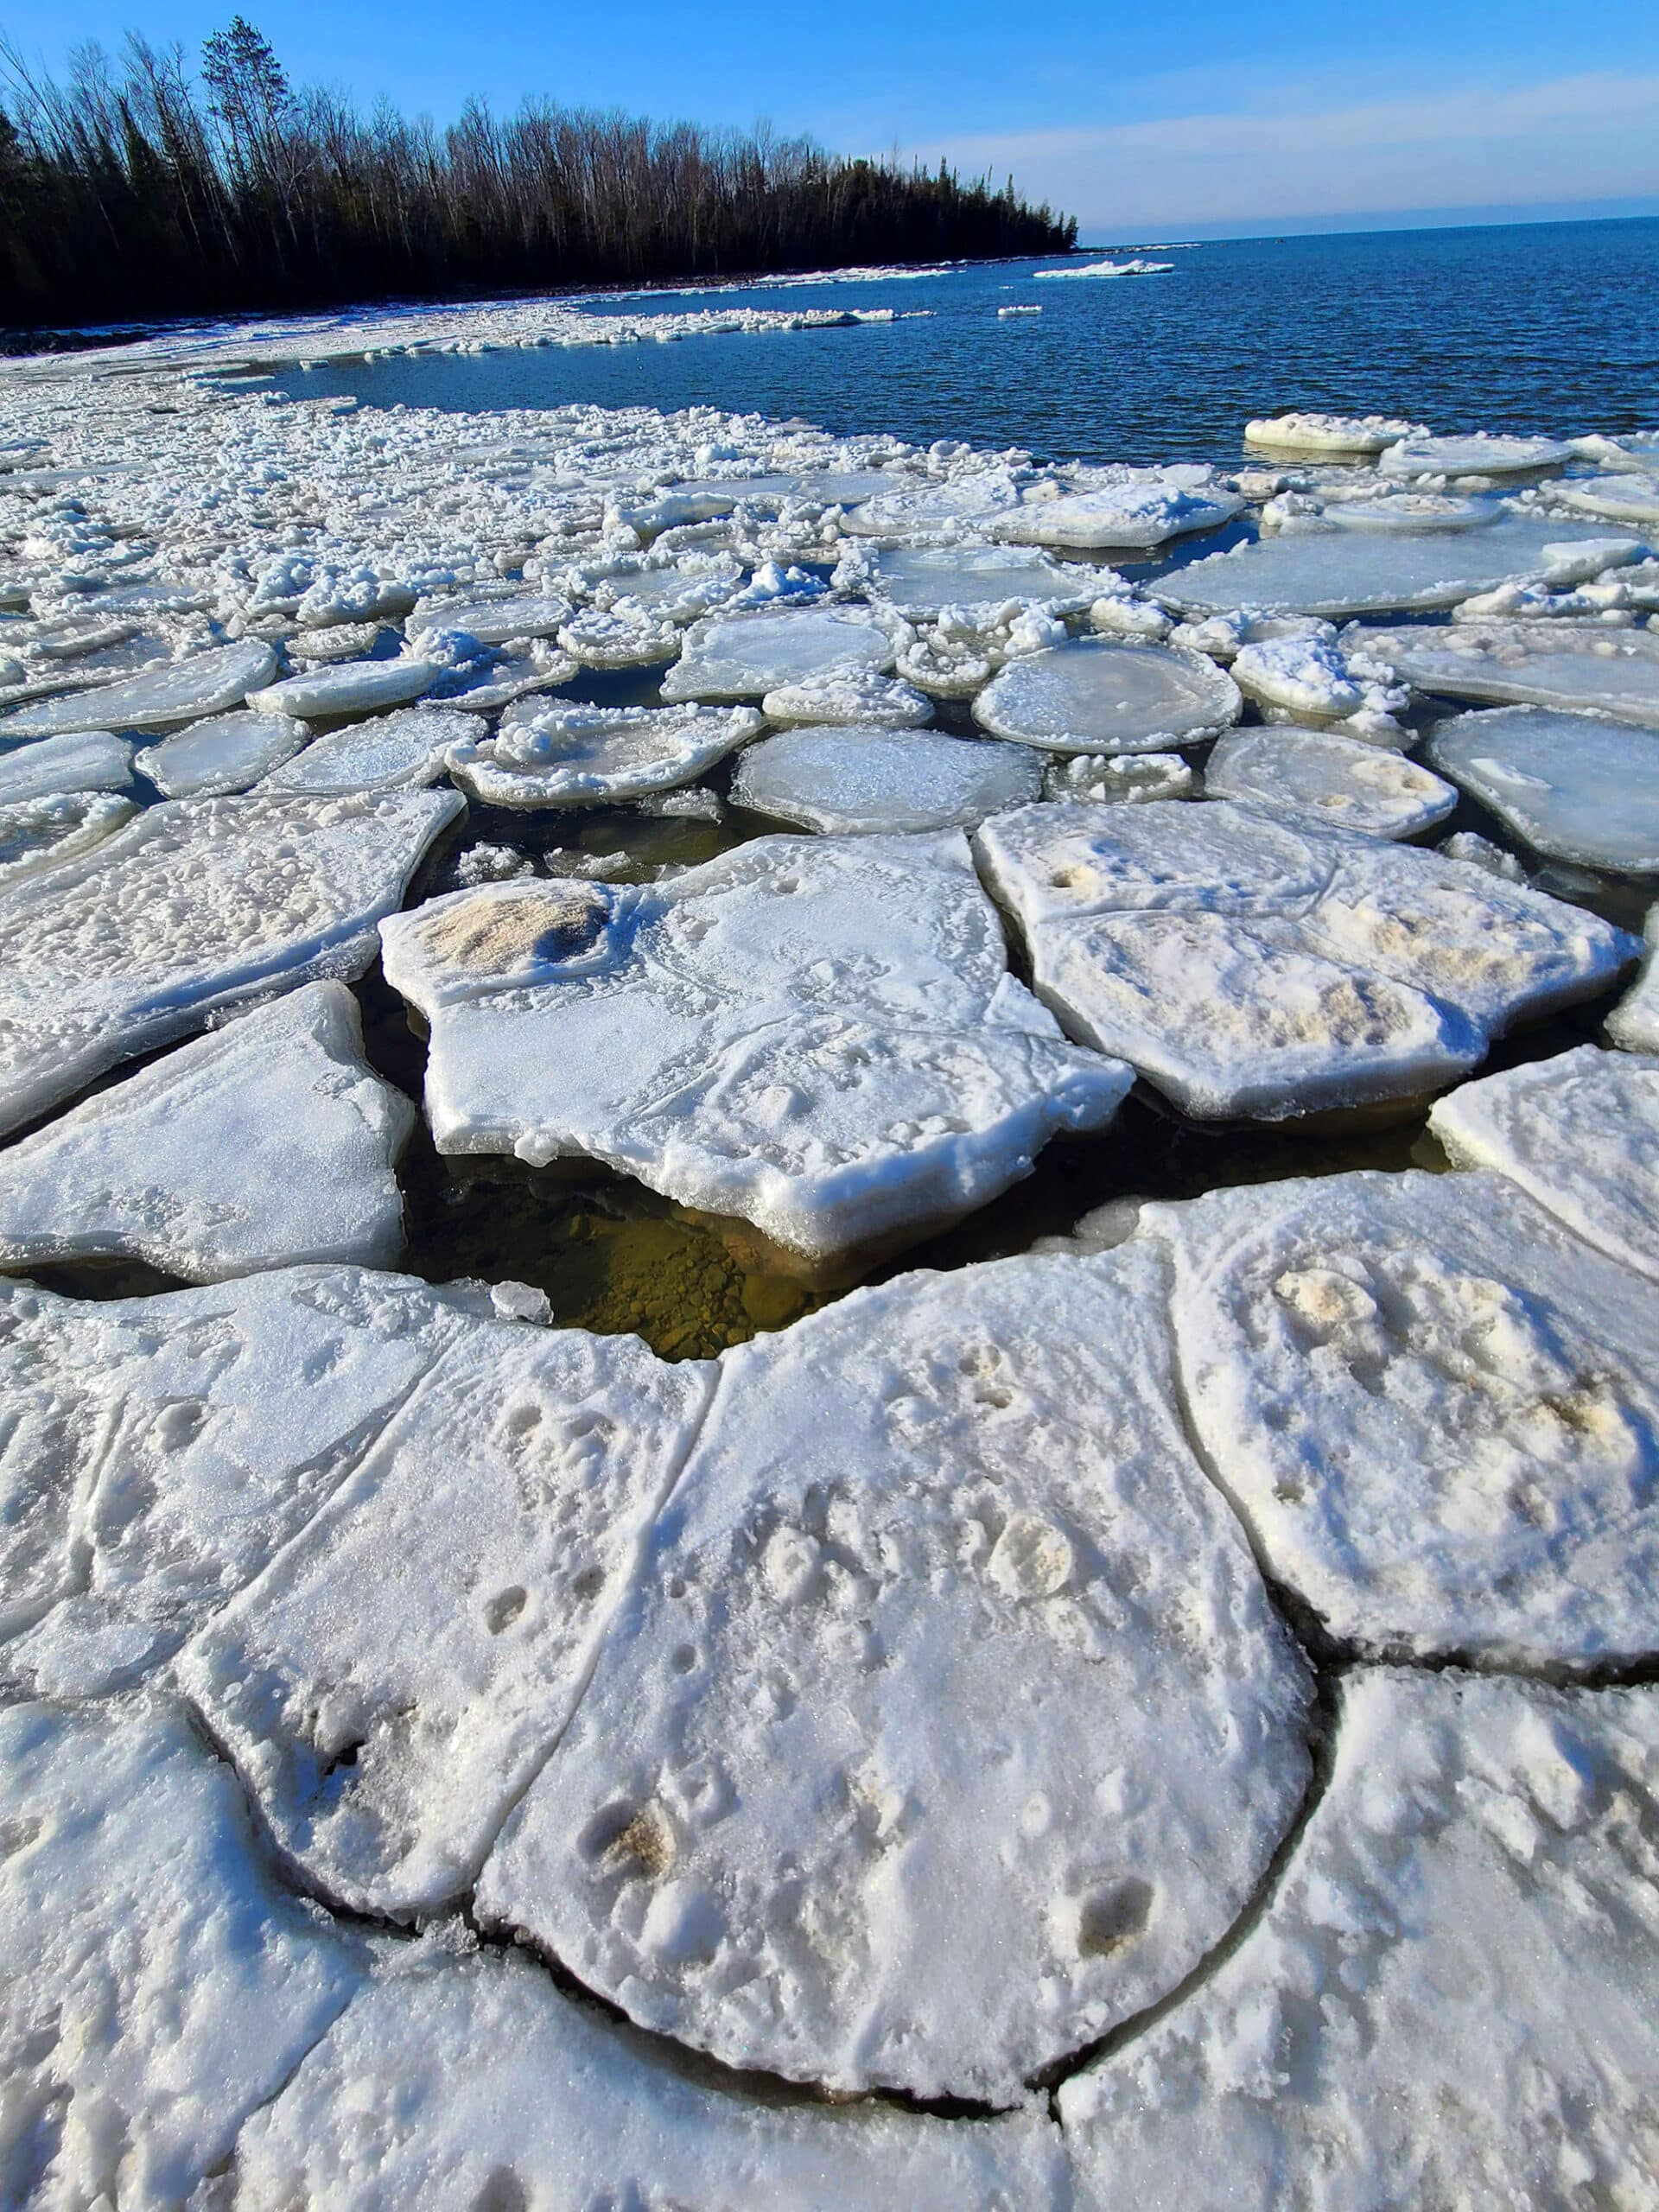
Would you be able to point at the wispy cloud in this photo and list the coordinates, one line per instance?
(1585, 136)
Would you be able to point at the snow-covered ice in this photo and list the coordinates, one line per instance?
(206, 683)
(1477, 453)
(1585, 668)
(965, 1495)
(87, 761)
(1110, 777)
(262, 1143)
(1340, 782)
(572, 755)
(1340, 434)
(1130, 516)
(1435, 1409)
(743, 656)
(1447, 2000)
(1628, 498)
(348, 687)
(848, 696)
(1099, 695)
(818, 1035)
(401, 751)
(842, 780)
(220, 757)
(981, 580)
(38, 833)
(1575, 787)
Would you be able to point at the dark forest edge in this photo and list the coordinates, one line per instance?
(135, 191)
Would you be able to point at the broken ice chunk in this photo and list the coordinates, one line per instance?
(38, 833)
(1132, 516)
(348, 687)
(1573, 666)
(1634, 1023)
(1479, 453)
(1360, 435)
(395, 752)
(981, 580)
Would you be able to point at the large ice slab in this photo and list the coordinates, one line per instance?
(264, 1143)
(194, 907)
(743, 656)
(218, 758)
(89, 760)
(156, 1986)
(488, 2086)
(1334, 782)
(1336, 572)
(498, 1520)
(1435, 1407)
(206, 684)
(1583, 666)
(495, 621)
(578, 755)
(947, 1723)
(1580, 1134)
(1575, 787)
(852, 781)
(1259, 967)
(820, 1035)
(1447, 2001)
(1099, 694)
(395, 752)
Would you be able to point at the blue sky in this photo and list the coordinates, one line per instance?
(1211, 117)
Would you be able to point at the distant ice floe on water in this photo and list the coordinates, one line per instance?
(1112, 269)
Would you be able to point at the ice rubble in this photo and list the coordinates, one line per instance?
(220, 757)
(262, 1143)
(1341, 434)
(840, 780)
(206, 683)
(1110, 778)
(1099, 695)
(194, 907)
(741, 655)
(944, 1496)
(472, 2081)
(396, 752)
(1265, 968)
(156, 1984)
(1634, 1023)
(38, 833)
(1584, 667)
(1434, 1408)
(348, 687)
(559, 755)
(385, 1746)
(1575, 787)
(1580, 1134)
(1332, 782)
(1447, 1999)
(1109, 268)
(88, 760)
(817, 1034)
(492, 622)
(1315, 679)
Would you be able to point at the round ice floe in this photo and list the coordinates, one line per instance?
(1110, 778)
(1336, 781)
(981, 580)
(1447, 1999)
(1576, 788)
(85, 760)
(1569, 665)
(947, 1723)
(38, 833)
(492, 622)
(596, 756)
(857, 695)
(1621, 499)
(622, 638)
(206, 683)
(224, 754)
(744, 656)
(1410, 511)
(919, 510)
(352, 687)
(1099, 694)
(1479, 454)
(1131, 516)
(842, 780)
(397, 752)
(1328, 434)
(1434, 1406)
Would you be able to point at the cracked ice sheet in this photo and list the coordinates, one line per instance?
(197, 905)
(264, 1143)
(162, 1449)
(947, 1723)
(1266, 968)
(579, 755)
(223, 755)
(1573, 787)
(157, 1986)
(1434, 1406)
(1589, 667)
(820, 1035)
(386, 1743)
(1580, 1134)
(1449, 1999)
(473, 2081)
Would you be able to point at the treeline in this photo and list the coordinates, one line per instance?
(137, 190)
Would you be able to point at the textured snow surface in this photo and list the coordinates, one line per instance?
(742, 656)
(1332, 782)
(1099, 694)
(92, 760)
(1580, 1134)
(818, 1035)
(1449, 1999)
(387, 1742)
(156, 1986)
(964, 1495)
(1573, 787)
(1585, 666)
(262, 1143)
(221, 756)
(395, 752)
(473, 2082)
(557, 755)
(1256, 967)
(1435, 1407)
(194, 907)
(206, 683)
(853, 781)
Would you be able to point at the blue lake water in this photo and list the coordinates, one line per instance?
(1547, 327)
